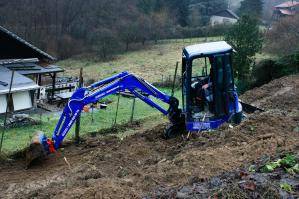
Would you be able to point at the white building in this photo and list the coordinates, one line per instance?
(224, 17)
(22, 91)
(32, 66)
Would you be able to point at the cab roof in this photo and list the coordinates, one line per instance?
(206, 49)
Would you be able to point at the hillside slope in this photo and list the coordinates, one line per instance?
(139, 165)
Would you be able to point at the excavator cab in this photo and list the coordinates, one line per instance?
(208, 90)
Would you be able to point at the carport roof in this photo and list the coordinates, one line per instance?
(29, 66)
(20, 82)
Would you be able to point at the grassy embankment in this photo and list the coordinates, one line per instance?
(150, 63)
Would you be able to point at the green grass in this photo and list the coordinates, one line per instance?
(150, 63)
(262, 56)
(18, 138)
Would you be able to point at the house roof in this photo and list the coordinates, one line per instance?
(206, 49)
(29, 66)
(287, 4)
(287, 12)
(14, 47)
(20, 82)
(226, 13)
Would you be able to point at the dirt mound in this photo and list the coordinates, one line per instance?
(281, 94)
(141, 164)
(241, 183)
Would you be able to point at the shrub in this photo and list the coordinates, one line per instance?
(263, 72)
(283, 37)
(268, 70)
(246, 39)
(216, 30)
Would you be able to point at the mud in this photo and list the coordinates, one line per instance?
(281, 95)
(240, 183)
(141, 164)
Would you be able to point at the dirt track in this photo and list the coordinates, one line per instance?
(137, 165)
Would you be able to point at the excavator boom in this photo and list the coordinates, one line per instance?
(93, 94)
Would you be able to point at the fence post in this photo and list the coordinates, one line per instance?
(133, 110)
(77, 127)
(6, 111)
(116, 113)
(92, 118)
(174, 78)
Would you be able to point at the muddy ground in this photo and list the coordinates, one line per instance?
(139, 165)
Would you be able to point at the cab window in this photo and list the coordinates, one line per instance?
(201, 67)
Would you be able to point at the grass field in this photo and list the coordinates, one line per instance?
(17, 138)
(150, 63)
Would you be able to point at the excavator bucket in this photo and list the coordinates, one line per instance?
(36, 150)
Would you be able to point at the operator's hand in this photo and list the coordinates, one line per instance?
(206, 86)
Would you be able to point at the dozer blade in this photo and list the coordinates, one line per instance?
(248, 108)
(36, 150)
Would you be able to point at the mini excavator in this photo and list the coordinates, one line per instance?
(209, 97)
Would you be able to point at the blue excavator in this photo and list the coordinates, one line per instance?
(209, 97)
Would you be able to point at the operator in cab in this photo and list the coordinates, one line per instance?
(202, 90)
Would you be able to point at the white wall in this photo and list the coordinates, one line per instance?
(215, 20)
(3, 103)
(22, 100)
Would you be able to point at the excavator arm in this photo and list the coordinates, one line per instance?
(97, 91)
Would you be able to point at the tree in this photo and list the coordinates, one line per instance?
(181, 8)
(65, 28)
(283, 38)
(103, 42)
(251, 7)
(246, 39)
(146, 6)
(206, 8)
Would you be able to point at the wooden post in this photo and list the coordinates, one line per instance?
(174, 79)
(6, 111)
(77, 128)
(53, 86)
(92, 118)
(133, 110)
(39, 81)
(116, 113)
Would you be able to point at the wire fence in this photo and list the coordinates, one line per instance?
(167, 81)
(96, 119)
(190, 40)
(107, 115)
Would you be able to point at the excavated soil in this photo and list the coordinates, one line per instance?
(281, 95)
(139, 165)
